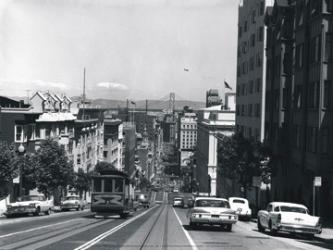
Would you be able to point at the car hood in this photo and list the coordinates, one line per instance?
(70, 202)
(23, 203)
(299, 219)
(212, 210)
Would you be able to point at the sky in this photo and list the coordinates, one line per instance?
(134, 49)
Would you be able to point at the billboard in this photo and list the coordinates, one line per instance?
(185, 158)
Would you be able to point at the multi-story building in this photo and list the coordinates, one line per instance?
(212, 98)
(129, 145)
(211, 122)
(251, 68)
(113, 142)
(299, 115)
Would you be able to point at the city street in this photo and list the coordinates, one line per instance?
(159, 227)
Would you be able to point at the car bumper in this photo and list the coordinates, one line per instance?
(18, 211)
(213, 219)
(290, 228)
(69, 206)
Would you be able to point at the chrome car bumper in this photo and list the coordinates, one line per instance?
(214, 219)
(20, 210)
(291, 228)
(69, 206)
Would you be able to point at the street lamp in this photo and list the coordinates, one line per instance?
(21, 151)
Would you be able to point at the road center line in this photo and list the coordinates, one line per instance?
(188, 236)
(111, 231)
(37, 228)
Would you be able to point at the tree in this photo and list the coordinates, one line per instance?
(241, 159)
(28, 165)
(104, 166)
(54, 170)
(82, 181)
(8, 168)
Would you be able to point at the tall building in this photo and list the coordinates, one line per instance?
(113, 142)
(129, 147)
(211, 122)
(212, 98)
(251, 68)
(299, 111)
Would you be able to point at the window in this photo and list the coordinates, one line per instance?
(299, 56)
(97, 185)
(312, 139)
(315, 49)
(251, 63)
(269, 208)
(257, 110)
(105, 154)
(314, 95)
(328, 5)
(243, 89)
(245, 26)
(237, 90)
(262, 8)
(284, 97)
(253, 40)
(251, 87)
(253, 17)
(258, 60)
(324, 140)
(258, 85)
(19, 133)
(298, 97)
(298, 136)
(107, 185)
(326, 96)
(261, 34)
(240, 29)
(277, 209)
(250, 110)
(78, 160)
(328, 47)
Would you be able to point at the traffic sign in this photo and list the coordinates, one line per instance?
(317, 181)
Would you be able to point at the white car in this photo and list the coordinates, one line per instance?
(212, 211)
(29, 204)
(241, 206)
(72, 202)
(288, 217)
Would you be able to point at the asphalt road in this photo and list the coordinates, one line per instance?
(159, 227)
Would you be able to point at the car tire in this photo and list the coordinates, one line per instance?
(78, 208)
(193, 225)
(228, 227)
(123, 215)
(48, 212)
(271, 230)
(260, 227)
(37, 212)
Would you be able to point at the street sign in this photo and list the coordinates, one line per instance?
(317, 181)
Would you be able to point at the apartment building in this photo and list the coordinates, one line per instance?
(251, 68)
(299, 111)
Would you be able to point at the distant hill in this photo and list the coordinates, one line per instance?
(152, 104)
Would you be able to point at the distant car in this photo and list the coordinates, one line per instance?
(241, 206)
(288, 217)
(143, 200)
(178, 202)
(72, 202)
(176, 190)
(29, 204)
(190, 201)
(212, 211)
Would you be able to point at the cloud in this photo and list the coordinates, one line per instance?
(34, 83)
(112, 85)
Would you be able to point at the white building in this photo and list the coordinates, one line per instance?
(212, 121)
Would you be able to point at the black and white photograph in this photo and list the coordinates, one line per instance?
(166, 124)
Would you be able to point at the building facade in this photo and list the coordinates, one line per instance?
(251, 68)
(113, 142)
(211, 122)
(299, 118)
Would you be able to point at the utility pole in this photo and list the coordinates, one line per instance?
(84, 91)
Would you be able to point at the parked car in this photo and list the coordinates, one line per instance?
(178, 202)
(143, 200)
(212, 211)
(72, 202)
(190, 201)
(241, 206)
(29, 204)
(288, 217)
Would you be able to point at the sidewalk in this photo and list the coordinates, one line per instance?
(326, 234)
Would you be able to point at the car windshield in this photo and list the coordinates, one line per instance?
(71, 198)
(31, 198)
(238, 201)
(212, 203)
(293, 209)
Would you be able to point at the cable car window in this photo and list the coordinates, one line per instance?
(118, 185)
(108, 185)
(97, 185)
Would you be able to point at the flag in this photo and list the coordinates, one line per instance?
(133, 103)
(227, 86)
(185, 69)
